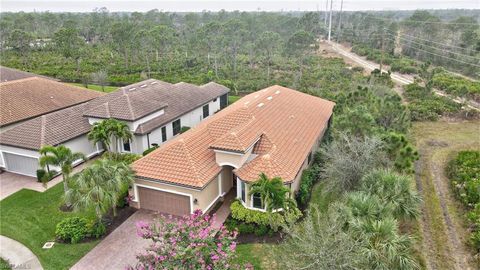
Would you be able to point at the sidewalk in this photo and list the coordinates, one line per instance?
(18, 255)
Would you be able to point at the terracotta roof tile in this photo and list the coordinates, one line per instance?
(284, 129)
(10, 74)
(30, 97)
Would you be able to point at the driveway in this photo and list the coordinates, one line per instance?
(18, 255)
(12, 182)
(120, 247)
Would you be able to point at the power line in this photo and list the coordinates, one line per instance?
(446, 57)
(464, 55)
(425, 22)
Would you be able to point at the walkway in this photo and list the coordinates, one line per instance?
(224, 211)
(119, 248)
(18, 255)
(12, 182)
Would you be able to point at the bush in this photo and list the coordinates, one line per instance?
(96, 228)
(127, 158)
(149, 150)
(184, 129)
(45, 176)
(262, 230)
(274, 220)
(246, 228)
(72, 229)
(309, 177)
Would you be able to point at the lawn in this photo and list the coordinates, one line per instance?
(30, 217)
(95, 87)
(232, 99)
(4, 265)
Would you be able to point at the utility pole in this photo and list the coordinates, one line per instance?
(330, 21)
(326, 12)
(339, 21)
(381, 58)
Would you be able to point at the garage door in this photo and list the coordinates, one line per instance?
(165, 202)
(21, 164)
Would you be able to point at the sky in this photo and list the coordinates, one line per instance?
(229, 5)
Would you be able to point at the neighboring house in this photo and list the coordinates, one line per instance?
(26, 98)
(275, 131)
(10, 74)
(154, 111)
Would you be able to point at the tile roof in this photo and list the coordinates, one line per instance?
(10, 74)
(138, 100)
(30, 97)
(49, 129)
(283, 124)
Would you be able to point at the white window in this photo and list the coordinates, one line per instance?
(126, 147)
(257, 201)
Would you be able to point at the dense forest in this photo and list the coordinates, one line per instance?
(244, 50)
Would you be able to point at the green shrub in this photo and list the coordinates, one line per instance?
(309, 177)
(127, 158)
(96, 228)
(456, 85)
(274, 220)
(184, 129)
(261, 230)
(149, 150)
(72, 229)
(45, 176)
(245, 228)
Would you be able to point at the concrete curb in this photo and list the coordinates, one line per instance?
(18, 255)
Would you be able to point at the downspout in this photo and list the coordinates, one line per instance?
(148, 141)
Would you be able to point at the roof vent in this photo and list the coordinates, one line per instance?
(269, 98)
(246, 103)
(132, 89)
(260, 105)
(153, 82)
(51, 97)
(143, 85)
(277, 92)
(256, 96)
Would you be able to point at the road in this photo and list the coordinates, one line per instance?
(396, 77)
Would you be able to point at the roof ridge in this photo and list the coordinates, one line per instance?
(190, 159)
(129, 104)
(107, 109)
(22, 80)
(43, 119)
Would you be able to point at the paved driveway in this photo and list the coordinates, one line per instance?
(119, 248)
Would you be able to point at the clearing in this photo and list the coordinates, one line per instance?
(442, 228)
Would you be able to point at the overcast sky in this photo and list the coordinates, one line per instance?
(229, 5)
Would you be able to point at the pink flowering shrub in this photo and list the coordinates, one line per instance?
(189, 243)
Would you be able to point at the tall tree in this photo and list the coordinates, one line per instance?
(62, 157)
(109, 130)
(269, 45)
(274, 194)
(70, 44)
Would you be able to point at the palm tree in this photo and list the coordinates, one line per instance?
(99, 186)
(62, 157)
(273, 193)
(383, 246)
(105, 130)
(394, 189)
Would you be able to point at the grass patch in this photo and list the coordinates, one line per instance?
(437, 142)
(232, 99)
(255, 254)
(320, 198)
(30, 217)
(95, 87)
(4, 264)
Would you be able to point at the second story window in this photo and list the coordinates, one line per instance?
(206, 111)
(176, 126)
(164, 134)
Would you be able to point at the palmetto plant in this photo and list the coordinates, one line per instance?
(383, 246)
(99, 186)
(393, 189)
(274, 194)
(62, 157)
(105, 130)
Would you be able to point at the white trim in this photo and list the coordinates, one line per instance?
(212, 203)
(220, 183)
(3, 151)
(228, 164)
(229, 152)
(135, 189)
(264, 209)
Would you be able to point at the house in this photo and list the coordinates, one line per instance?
(26, 98)
(273, 131)
(10, 74)
(154, 110)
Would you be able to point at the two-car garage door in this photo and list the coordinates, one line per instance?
(164, 202)
(21, 164)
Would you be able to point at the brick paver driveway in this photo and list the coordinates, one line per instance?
(119, 248)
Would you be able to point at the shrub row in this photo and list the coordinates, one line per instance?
(309, 178)
(247, 228)
(464, 173)
(456, 85)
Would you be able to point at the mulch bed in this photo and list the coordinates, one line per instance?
(122, 215)
(252, 238)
